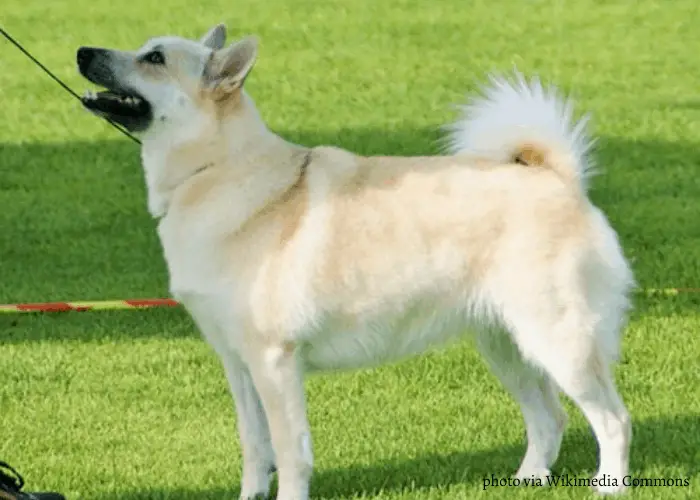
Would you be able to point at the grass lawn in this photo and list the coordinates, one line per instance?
(134, 406)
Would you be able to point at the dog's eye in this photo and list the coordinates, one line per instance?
(155, 57)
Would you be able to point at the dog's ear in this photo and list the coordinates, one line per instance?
(215, 37)
(228, 68)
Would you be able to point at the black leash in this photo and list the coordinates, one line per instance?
(66, 87)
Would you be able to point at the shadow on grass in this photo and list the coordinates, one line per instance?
(658, 444)
(649, 191)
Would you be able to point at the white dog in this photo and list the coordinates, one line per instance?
(293, 259)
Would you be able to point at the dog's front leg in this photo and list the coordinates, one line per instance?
(258, 456)
(279, 381)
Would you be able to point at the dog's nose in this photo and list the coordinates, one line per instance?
(84, 57)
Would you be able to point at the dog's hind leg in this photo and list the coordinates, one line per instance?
(545, 418)
(258, 456)
(278, 378)
(562, 336)
(581, 371)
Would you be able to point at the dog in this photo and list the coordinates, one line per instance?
(293, 260)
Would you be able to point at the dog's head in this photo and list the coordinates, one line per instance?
(170, 80)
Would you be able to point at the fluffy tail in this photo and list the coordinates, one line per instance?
(521, 121)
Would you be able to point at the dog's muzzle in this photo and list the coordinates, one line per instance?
(117, 102)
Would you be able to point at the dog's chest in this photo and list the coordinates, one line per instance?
(212, 314)
(199, 282)
(192, 264)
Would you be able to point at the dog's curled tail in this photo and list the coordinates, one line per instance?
(520, 121)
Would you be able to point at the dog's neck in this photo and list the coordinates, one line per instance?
(171, 160)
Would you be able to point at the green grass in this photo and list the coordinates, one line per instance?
(134, 406)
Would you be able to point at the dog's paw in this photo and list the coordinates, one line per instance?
(256, 493)
(256, 482)
(530, 476)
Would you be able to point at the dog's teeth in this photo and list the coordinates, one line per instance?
(90, 95)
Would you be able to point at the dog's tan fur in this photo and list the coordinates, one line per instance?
(294, 259)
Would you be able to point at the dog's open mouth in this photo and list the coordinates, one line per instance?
(117, 104)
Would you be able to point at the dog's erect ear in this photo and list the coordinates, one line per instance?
(228, 68)
(215, 37)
